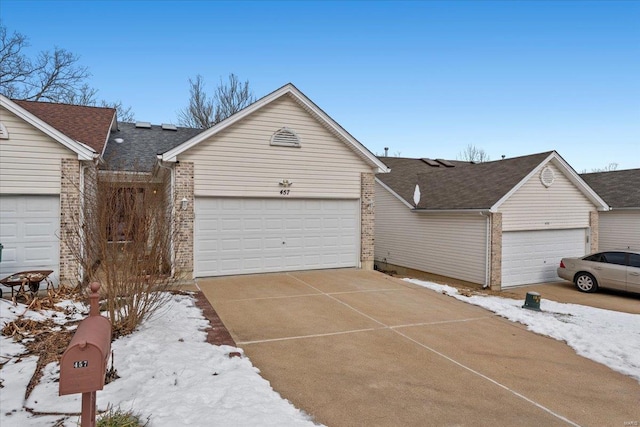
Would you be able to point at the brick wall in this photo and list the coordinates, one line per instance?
(367, 208)
(495, 279)
(70, 218)
(183, 236)
(594, 223)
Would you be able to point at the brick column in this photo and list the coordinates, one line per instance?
(495, 263)
(70, 219)
(594, 223)
(367, 218)
(183, 221)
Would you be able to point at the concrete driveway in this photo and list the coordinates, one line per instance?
(359, 348)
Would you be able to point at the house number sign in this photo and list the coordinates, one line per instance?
(284, 192)
(80, 364)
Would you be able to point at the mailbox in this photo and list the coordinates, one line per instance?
(84, 363)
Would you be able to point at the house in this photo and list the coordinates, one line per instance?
(278, 186)
(500, 224)
(619, 228)
(48, 154)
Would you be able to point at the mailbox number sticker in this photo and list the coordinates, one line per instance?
(81, 364)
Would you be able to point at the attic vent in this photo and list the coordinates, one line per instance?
(4, 133)
(547, 176)
(168, 126)
(431, 163)
(143, 125)
(285, 137)
(446, 163)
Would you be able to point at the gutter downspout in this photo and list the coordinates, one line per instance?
(487, 257)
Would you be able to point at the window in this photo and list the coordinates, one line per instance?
(619, 258)
(594, 258)
(634, 260)
(285, 137)
(126, 219)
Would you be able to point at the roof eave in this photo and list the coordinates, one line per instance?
(571, 174)
(83, 151)
(288, 89)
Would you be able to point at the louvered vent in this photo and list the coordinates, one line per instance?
(547, 176)
(4, 134)
(286, 138)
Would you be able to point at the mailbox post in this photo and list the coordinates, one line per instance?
(84, 363)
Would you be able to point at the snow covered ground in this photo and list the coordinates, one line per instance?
(171, 375)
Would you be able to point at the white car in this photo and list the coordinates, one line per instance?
(609, 269)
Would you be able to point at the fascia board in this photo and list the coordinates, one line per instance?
(396, 195)
(581, 184)
(451, 211)
(171, 155)
(83, 151)
(568, 172)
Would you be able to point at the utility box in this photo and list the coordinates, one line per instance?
(84, 363)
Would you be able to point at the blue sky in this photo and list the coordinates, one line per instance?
(425, 79)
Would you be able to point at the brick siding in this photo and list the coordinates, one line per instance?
(367, 218)
(183, 238)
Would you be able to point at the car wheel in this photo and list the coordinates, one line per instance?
(585, 282)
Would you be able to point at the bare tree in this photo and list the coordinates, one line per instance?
(473, 154)
(51, 76)
(200, 112)
(204, 111)
(609, 168)
(231, 97)
(123, 239)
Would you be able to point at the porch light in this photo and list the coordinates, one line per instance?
(183, 203)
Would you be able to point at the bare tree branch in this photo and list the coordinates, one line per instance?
(51, 76)
(473, 154)
(199, 113)
(204, 111)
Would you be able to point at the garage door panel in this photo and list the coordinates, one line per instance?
(533, 256)
(29, 232)
(268, 235)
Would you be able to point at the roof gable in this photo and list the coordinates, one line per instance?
(84, 151)
(470, 186)
(620, 189)
(88, 125)
(291, 91)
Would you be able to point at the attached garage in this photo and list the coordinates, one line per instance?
(532, 256)
(521, 216)
(29, 229)
(240, 236)
(279, 186)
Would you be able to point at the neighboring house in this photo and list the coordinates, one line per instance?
(500, 224)
(48, 154)
(278, 186)
(619, 227)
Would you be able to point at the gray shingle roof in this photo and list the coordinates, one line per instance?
(464, 186)
(620, 189)
(137, 152)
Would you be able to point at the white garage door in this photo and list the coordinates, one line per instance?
(29, 233)
(240, 236)
(533, 256)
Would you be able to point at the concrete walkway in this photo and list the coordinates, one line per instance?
(359, 348)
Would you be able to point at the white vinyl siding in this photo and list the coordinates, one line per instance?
(241, 236)
(530, 257)
(536, 207)
(449, 245)
(619, 230)
(241, 162)
(29, 228)
(29, 159)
